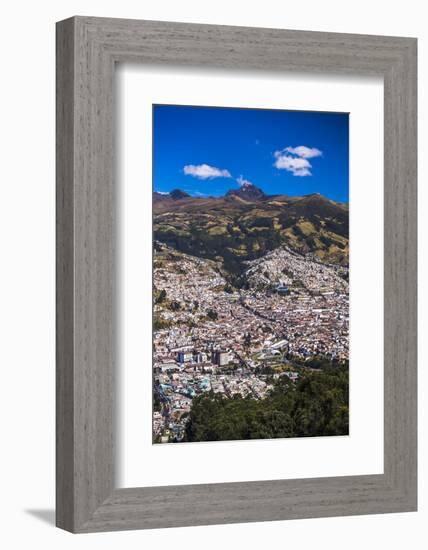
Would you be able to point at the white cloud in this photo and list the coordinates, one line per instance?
(304, 152)
(242, 182)
(294, 159)
(205, 171)
(296, 165)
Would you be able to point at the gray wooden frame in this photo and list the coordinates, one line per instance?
(87, 50)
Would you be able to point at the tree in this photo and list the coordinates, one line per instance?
(161, 297)
(159, 323)
(212, 314)
(247, 340)
(316, 405)
(157, 406)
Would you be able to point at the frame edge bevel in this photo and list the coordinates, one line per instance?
(65, 57)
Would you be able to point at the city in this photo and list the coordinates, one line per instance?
(211, 337)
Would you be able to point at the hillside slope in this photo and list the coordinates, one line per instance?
(233, 230)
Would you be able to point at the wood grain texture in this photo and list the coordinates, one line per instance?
(64, 276)
(87, 49)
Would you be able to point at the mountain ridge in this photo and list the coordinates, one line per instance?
(248, 192)
(234, 229)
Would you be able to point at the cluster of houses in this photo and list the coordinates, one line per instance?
(219, 339)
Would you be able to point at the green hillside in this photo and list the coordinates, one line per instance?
(232, 229)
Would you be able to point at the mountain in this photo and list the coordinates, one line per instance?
(157, 197)
(175, 194)
(233, 230)
(178, 194)
(248, 192)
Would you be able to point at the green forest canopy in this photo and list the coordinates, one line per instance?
(316, 405)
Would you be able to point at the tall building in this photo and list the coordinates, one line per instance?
(221, 358)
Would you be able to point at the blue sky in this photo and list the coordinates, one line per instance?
(208, 150)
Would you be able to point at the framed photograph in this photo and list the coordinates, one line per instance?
(251, 285)
(236, 274)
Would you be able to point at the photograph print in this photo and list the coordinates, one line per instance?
(250, 274)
